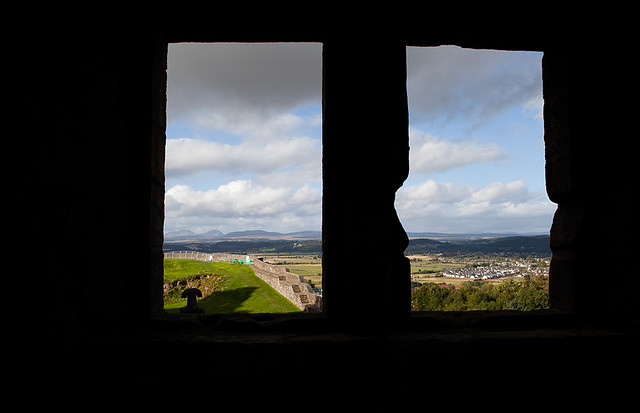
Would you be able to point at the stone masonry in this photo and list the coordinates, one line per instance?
(290, 285)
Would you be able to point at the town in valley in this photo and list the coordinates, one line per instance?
(437, 268)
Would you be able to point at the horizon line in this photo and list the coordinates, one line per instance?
(408, 232)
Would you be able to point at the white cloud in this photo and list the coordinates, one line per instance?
(189, 156)
(252, 125)
(466, 92)
(474, 85)
(241, 199)
(252, 90)
(498, 192)
(431, 192)
(431, 154)
(252, 149)
(447, 207)
(253, 79)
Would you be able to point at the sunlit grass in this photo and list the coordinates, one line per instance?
(243, 291)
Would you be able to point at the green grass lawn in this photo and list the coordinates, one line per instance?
(244, 292)
(176, 268)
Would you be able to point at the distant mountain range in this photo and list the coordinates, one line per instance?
(215, 235)
(527, 245)
(310, 242)
(441, 236)
(256, 234)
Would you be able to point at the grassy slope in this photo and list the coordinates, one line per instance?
(244, 292)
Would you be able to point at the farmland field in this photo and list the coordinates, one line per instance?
(309, 266)
(429, 269)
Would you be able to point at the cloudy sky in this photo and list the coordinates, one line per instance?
(244, 140)
(476, 136)
(244, 126)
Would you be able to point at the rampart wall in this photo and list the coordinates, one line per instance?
(290, 285)
(193, 255)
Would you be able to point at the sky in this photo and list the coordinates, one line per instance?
(244, 128)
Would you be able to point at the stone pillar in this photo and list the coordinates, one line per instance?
(365, 161)
(588, 173)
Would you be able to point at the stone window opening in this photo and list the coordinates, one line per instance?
(243, 146)
(476, 167)
(328, 211)
(341, 199)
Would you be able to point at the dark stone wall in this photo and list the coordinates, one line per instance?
(364, 163)
(88, 220)
(86, 191)
(588, 174)
(90, 104)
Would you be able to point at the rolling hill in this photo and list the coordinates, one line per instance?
(529, 245)
(257, 241)
(216, 235)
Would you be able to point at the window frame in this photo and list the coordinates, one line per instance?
(334, 310)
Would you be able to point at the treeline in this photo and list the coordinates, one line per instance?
(531, 293)
(512, 246)
(248, 247)
(537, 245)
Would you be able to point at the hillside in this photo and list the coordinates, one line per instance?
(234, 288)
(249, 235)
(528, 245)
(244, 247)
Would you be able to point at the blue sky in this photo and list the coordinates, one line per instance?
(244, 137)
(244, 140)
(476, 137)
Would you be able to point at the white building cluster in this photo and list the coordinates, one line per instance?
(498, 270)
(483, 273)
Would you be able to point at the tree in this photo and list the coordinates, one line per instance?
(525, 295)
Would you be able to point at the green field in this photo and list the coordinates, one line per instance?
(242, 291)
(425, 270)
